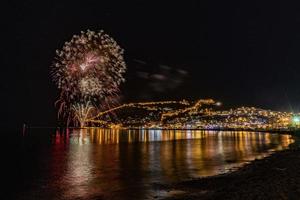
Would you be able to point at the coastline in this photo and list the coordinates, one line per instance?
(287, 131)
(274, 177)
(281, 131)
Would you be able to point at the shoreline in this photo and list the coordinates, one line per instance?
(274, 177)
(292, 132)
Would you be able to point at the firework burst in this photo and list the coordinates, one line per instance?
(89, 68)
(82, 112)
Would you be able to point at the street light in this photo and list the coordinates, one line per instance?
(296, 121)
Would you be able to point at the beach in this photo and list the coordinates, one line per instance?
(274, 177)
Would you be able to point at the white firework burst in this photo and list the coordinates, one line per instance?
(89, 68)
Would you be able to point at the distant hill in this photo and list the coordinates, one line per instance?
(203, 113)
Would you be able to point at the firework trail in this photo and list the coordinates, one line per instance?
(88, 71)
(81, 112)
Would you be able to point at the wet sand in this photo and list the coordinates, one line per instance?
(274, 177)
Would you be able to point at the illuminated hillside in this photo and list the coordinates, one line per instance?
(200, 114)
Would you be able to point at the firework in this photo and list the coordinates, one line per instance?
(89, 68)
(90, 86)
(82, 112)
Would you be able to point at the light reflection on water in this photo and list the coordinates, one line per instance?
(114, 164)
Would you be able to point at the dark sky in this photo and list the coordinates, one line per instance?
(239, 52)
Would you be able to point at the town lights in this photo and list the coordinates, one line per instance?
(218, 103)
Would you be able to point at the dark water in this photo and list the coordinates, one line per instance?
(128, 164)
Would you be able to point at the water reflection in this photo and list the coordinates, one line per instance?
(114, 164)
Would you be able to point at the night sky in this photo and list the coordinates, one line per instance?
(241, 53)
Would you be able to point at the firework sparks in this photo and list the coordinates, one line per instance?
(89, 68)
(90, 86)
(82, 112)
